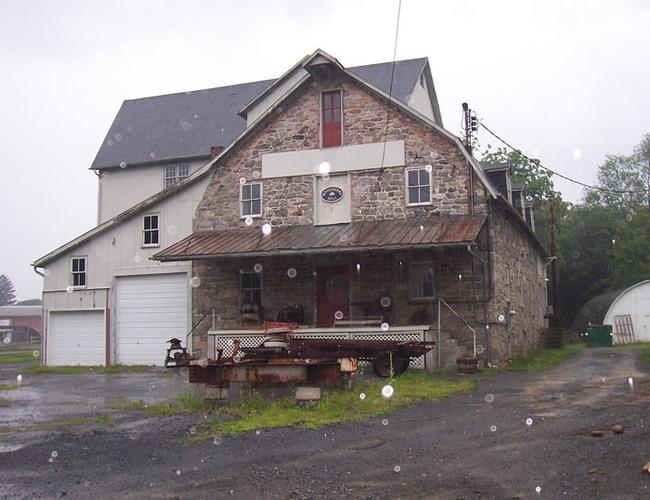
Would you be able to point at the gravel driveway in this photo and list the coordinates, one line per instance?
(517, 436)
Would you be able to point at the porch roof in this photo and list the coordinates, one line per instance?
(412, 233)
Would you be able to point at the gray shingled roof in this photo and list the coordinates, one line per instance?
(187, 124)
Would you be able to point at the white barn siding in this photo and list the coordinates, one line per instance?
(121, 188)
(118, 252)
(634, 301)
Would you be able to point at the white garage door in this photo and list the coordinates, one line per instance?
(150, 310)
(76, 338)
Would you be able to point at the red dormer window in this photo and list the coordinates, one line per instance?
(331, 118)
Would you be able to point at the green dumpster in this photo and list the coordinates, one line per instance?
(599, 336)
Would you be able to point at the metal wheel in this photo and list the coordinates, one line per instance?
(381, 364)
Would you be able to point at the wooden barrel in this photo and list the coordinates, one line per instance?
(467, 365)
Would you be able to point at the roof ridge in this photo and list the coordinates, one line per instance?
(271, 80)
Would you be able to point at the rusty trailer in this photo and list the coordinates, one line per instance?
(283, 358)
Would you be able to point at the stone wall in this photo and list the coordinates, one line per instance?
(376, 194)
(514, 282)
(518, 284)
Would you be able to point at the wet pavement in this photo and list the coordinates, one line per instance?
(517, 436)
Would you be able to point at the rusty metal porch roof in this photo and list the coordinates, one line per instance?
(413, 233)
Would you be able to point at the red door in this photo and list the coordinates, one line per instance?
(332, 294)
(331, 120)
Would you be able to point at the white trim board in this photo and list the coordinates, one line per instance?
(340, 159)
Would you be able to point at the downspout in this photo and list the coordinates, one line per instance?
(38, 272)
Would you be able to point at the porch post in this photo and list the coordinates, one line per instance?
(438, 338)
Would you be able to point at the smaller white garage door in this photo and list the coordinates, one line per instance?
(76, 338)
(151, 309)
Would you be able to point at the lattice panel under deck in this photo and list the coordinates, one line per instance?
(225, 342)
(399, 337)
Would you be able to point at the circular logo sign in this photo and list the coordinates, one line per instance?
(331, 194)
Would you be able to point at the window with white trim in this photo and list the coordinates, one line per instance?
(418, 186)
(250, 287)
(421, 281)
(79, 269)
(150, 230)
(176, 173)
(251, 199)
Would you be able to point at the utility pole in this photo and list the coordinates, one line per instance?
(471, 126)
(551, 242)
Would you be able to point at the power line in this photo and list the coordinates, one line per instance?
(390, 87)
(539, 164)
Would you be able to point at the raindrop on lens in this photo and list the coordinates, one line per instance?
(384, 326)
(195, 282)
(493, 428)
(529, 421)
(397, 468)
(257, 433)
(324, 168)
(266, 229)
(256, 174)
(428, 168)
(538, 490)
(326, 177)
(192, 430)
(338, 315)
(55, 454)
(489, 398)
(178, 473)
(385, 421)
(257, 268)
(249, 221)
(217, 440)
(69, 289)
(50, 460)
(36, 354)
(152, 155)
(387, 391)
(19, 379)
(362, 396)
(137, 258)
(291, 272)
(242, 180)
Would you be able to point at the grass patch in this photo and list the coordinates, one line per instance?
(5, 428)
(19, 347)
(185, 403)
(74, 421)
(644, 355)
(338, 406)
(543, 359)
(8, 387)
(75, 370)
(18, 357)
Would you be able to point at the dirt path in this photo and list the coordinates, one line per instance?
(469, 446)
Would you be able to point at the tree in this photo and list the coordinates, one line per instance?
(630, 249)
(585, 263)
(539, 186)
(626, 180)
(7, 291)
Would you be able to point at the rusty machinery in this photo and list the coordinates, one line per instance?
(286, 358)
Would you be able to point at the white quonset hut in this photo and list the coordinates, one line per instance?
(631, 306)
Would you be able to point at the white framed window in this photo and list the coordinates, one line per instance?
(418, 186)
(421, 281)
(250, 287)
(251, 199)
(151, 230)
(176, 173)
(79, 270)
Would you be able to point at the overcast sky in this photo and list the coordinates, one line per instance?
(565, 81)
